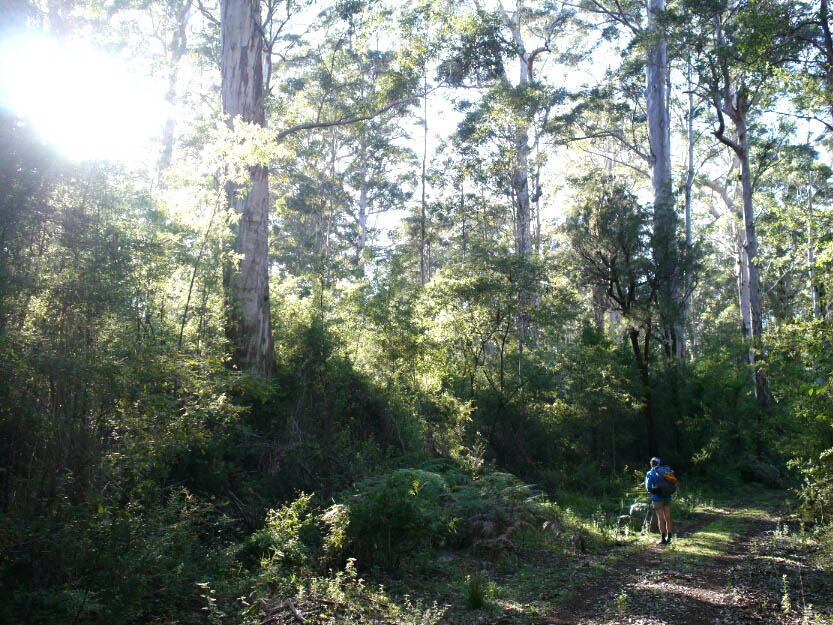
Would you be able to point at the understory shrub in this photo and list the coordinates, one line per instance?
(395, 515)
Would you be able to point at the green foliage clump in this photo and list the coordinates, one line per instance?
(395, 515)
(476, 592)
(289, 537)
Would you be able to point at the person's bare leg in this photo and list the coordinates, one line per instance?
(663, 520)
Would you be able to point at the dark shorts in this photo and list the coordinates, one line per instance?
(659, 505)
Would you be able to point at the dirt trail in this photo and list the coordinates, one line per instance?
(668, 586)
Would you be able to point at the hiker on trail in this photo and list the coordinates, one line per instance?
(661, 487)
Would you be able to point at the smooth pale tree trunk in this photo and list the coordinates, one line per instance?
(246, 278)
(659, 137)
(537, 198)
(659, 126)
(815, 296)
(362, 242)
(465, 232)
(734, 103)
(827, 44)
(363, 183)
(742, 270)
(738, 240)
(524, 234)
(614, 320)
(178, 47)
(423, 212)
(689, 186)
(520, 177)
(520, 182)
(738, 116)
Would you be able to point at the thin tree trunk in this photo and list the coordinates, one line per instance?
(599, 300)
(463, 216)
(762, 392)
(689, 185)
(423, 264)
(362, 203)
(179, 44)
(194, 273)
(735, 104)
(811, 251)
(201, 324)
(742, 269)
(363, 184)
(642, 365)
(737, 239)
(537, 198)
(246, 283)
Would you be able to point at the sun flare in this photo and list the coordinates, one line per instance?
(89, 105)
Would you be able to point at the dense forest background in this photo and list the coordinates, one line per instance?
(388, 266)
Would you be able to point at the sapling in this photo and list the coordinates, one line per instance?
(786, 605)
(622, 603)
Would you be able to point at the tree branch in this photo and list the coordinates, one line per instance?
(615, 135)
(347, 120)
(720, 189)
(617, 15)
(207, 14)
(638, 170)
(720, 132)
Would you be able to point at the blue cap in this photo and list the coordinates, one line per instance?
(655, 461)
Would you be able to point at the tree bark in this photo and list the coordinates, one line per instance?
(689, 185)
(423, 213)
(520, 180)
(246, 283)
(827, 44)
(737, 235)
(520, 176)
(599, 301)
(815, 296)
(178, 47)
(762, 392)
(742, 269)
(643, 366)
(363, 184)
(733, 101)
(659, 137)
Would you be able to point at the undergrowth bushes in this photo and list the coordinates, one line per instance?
(409, 511)
(392, 527)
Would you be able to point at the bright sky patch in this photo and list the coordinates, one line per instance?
(88, 105)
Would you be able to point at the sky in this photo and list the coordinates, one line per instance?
(88, 104)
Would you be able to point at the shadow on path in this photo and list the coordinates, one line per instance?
(703, 580)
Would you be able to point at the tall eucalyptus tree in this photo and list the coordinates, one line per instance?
(511, 117)
(246, 276)
(647, 24)
(743, 45)
(244, 45)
